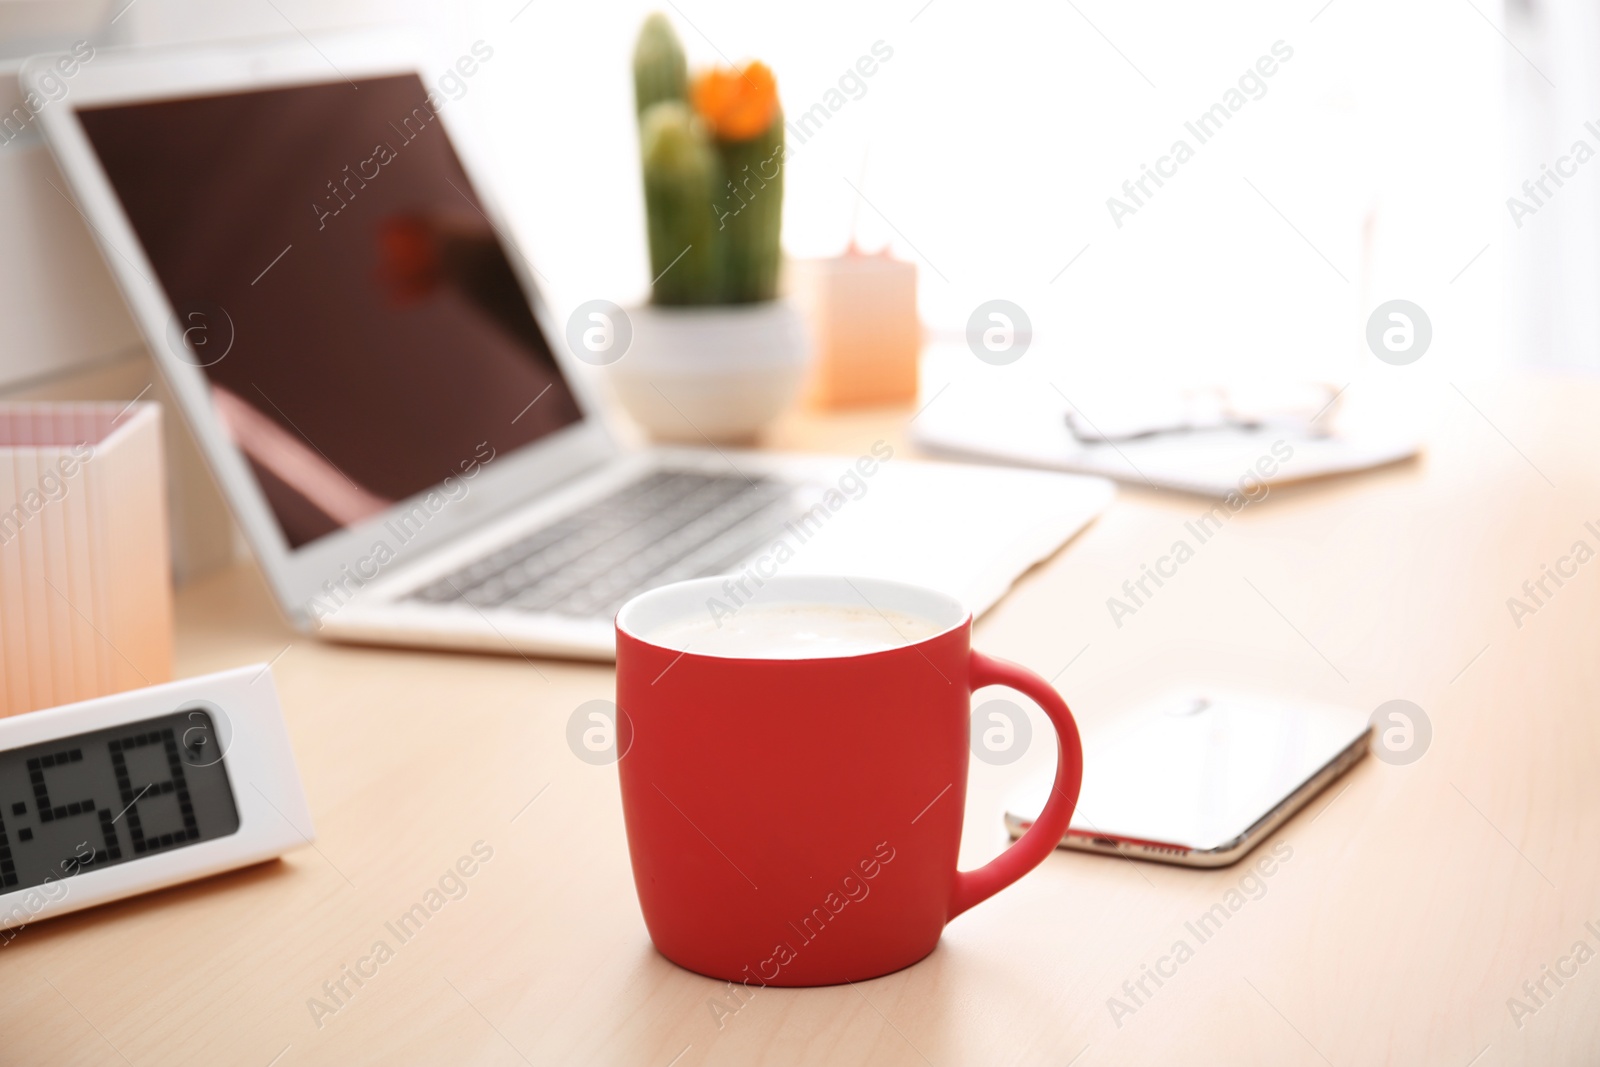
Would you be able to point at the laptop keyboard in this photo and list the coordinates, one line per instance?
(664, 527)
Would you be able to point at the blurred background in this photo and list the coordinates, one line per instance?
(1375, 163)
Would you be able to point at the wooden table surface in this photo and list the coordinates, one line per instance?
(1409, 906)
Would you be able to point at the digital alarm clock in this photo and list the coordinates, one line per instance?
(109, 798)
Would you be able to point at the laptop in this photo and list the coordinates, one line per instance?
(312, 251)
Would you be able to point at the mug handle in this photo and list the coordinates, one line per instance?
(1047, 830)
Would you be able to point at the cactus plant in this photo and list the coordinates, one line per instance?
(713, 157)
(754, 174)
(681, 175)
(659, 69)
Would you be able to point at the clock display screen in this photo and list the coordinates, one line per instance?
(109, 796)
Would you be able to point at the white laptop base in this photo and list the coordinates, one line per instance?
(967, 530)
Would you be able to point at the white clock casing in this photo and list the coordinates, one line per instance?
(261, 772)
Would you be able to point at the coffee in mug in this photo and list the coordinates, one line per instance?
(793, 630)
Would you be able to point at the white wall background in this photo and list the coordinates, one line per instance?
(1553, 258)
(1372, 168)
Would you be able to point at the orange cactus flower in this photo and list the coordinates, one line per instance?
(736, 104)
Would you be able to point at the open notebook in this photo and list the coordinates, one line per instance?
(1031, 427)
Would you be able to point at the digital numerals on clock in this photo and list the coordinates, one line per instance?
(109, 796)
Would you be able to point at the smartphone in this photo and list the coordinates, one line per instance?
(1200, 780)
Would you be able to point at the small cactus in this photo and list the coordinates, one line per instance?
(681, 174)
(659, 69)
(753, 196)
(713, 158)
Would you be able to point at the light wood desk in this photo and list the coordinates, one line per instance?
(1417, 900)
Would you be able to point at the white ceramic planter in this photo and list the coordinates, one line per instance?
(720, 373)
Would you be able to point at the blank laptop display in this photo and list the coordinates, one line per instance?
(357, 318)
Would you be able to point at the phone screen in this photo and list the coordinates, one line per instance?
(1196, 772)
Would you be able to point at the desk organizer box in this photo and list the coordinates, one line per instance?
(85, 581)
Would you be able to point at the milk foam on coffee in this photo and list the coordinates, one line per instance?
(795, 631)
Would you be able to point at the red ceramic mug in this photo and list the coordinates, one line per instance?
(796, 821)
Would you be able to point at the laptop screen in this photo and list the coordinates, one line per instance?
(360, 326)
